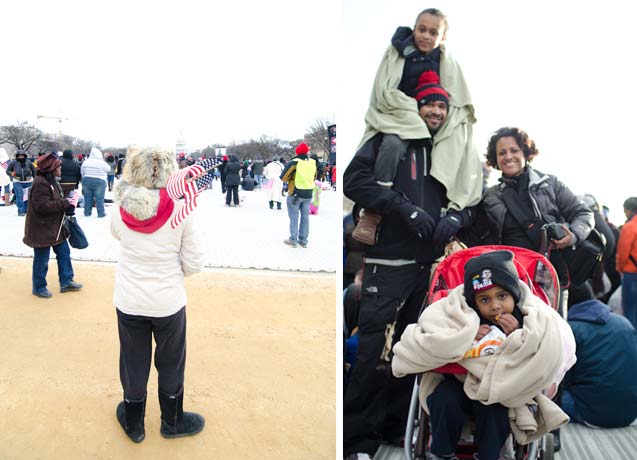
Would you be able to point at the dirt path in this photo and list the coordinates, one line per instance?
(261, 368)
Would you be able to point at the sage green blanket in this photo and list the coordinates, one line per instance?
(455, 161)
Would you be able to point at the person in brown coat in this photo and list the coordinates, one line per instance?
(43, 227)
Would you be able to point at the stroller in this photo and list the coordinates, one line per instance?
(538, 273)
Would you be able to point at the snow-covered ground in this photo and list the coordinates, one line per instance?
(249, 236)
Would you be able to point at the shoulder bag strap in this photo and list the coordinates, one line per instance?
(514, 207)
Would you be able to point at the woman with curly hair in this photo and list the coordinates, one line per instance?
(514, 211)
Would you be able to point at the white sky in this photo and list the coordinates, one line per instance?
(562, 71)
(141, 71)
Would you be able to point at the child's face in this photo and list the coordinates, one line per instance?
(493, 302)
(429, 32)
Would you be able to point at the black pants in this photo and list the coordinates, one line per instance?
(450, 407)
(135, 341)
(376, 404)
(232, 192)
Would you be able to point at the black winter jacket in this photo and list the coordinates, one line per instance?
(70, 171)
(412, 183)
(550, 200)
(20, 171)
(232, 170)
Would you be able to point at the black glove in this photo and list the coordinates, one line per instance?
(447, 228)
(417, 219)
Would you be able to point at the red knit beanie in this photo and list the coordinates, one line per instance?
(302, 149)
(429, 89)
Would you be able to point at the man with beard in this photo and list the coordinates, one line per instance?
(396, 274)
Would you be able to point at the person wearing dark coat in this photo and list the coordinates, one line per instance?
(395, 279)
(233, 180)
(600, 389)
(43, 227)
(248, 183)
(22, 172)
(71, 175)
(222, 173)
(257, 172)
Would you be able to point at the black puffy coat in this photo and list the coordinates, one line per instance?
(70, 170)
(232, 170)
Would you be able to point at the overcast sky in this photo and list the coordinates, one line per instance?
(141, 71)
(562, 71)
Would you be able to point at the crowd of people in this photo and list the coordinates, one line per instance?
(45, 188)
(417, 184)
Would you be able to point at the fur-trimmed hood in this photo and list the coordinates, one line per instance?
(140, 202)
(146, 172)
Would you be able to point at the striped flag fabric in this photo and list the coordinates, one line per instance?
(182, 185)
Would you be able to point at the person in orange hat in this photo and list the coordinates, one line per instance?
(300, 174)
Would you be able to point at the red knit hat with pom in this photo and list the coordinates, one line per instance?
(429, 89)
(302, 149)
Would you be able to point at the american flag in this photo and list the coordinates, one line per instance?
(181, 185)
(208, 164)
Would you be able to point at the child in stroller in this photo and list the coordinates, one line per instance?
(503, 387)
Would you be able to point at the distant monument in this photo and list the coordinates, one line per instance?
(180, 145)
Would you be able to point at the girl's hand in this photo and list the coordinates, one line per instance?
(508, 323)
(482, 331)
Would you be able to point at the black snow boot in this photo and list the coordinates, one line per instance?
(175, 423)
(278, 205)
(131, 416)
(271, 204)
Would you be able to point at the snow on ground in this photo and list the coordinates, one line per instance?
(249, 236)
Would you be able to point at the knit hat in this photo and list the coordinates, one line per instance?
(21, 152)
(429, 89)
(488, 270)
(302, 149)
(48, 162)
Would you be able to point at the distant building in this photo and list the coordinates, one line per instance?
(180, 145)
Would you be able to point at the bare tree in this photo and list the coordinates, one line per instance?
(22, 135)
(317, 138)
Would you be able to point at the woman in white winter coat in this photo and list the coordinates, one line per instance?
(150, 297)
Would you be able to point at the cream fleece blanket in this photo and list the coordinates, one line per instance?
(455, 161)
(515, 376)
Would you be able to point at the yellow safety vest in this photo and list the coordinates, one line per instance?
(305, 174)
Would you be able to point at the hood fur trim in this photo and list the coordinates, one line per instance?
(139, 202)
